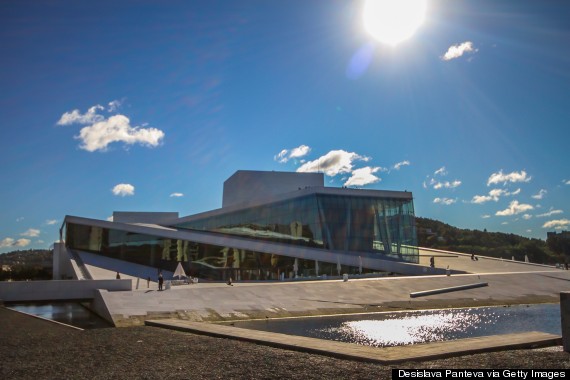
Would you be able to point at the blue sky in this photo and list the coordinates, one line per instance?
(141, 106)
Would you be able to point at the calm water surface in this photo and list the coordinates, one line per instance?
(399, 328)
(70, 313)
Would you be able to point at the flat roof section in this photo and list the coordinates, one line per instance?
(145, 217)
(248, 185)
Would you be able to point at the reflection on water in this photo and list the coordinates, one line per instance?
(407, 330)
(392, 329)
(70, 313)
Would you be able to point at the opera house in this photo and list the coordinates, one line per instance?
(271, 226)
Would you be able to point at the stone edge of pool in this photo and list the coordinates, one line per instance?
(387, 355)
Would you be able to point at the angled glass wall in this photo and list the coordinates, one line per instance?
(205, 261)
(382, 226)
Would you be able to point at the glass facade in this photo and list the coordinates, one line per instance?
(205, 261)
(383, 226)
(372, 226)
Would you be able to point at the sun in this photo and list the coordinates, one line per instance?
(393, 21)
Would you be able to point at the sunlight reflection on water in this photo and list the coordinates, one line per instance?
(392, 329)
(407, 330)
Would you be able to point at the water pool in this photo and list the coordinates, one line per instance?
(70, 313)
(400, 328)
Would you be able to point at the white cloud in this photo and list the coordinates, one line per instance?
(566, 182)
(499, 177)
(75, 117)
(447, 184)
(451, 185)
(440, 171)
(114, 105)
(22, 242)
(456, 51)
(9, 242)
(400, 164)
(282, 157)
(31, 232)
(527, 216)
(19, 219)
(117, 129)
(176, 195)
(124, 189)
(540, 194)
(481, 199)
(51, 222)
(332, 163)
(550, 213)
(494, 195)
(486, 216)
(514, 208)
(363, 176)
(101, 131)
(444, 201)
(557, 224)
(110, 218)
(441, 184)
(505, 223)
(6, 242)
(298, 152)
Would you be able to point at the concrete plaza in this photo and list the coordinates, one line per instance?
(508, 282)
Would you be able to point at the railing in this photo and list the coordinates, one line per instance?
(80, 265)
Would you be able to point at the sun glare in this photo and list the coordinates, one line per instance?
(393, 21)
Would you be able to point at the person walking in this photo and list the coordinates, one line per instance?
(160, 281)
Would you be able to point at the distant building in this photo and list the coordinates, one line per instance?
(272, 225)
(561, 234)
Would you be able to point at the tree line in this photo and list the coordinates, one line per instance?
(439, 235)
(32, 264)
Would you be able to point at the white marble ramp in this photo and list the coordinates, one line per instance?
(219, 301)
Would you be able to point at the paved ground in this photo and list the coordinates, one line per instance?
(33, 349)
(508, 282)
(463, 262)
(246, 300)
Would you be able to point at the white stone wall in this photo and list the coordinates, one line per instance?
(17, 291)
(249, 185)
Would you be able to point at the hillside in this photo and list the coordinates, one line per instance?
(32, 264)
(436, 234)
